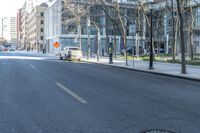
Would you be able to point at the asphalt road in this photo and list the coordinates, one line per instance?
(50, 96)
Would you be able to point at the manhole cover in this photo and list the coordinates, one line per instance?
(157, 131)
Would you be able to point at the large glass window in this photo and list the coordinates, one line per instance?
(196, 13)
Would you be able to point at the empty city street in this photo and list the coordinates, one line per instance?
(41, 94)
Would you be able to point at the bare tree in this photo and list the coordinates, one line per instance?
(117, 21)
(171, 9)
(190, 7)
(180, 4)
(82, 9)
(98, 37)
(72, 12)
(190, 29)
(144, 7)
(123, 22)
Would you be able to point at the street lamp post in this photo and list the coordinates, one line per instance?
(151, 56)
(88, 33)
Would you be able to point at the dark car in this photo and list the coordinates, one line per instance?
(159, 51)
(129, 50)
(11, 49)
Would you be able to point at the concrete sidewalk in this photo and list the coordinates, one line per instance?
(169, 69)
(36, 53)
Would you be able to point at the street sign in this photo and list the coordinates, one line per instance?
(56, 44)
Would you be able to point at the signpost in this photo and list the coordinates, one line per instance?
(56, 44)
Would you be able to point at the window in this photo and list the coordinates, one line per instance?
(41, 22)
(42, 14)
(196, 32)
(41, 30)
(41, 38)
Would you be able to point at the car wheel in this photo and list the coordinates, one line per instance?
(61, 58)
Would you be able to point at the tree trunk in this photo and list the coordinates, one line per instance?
(107, 38)
(173, 33)
(124, 27)
(80, 35)
(191, 34)
(88, 34)
(125, 53)
(98, 38)
(182, 41)
(176, 35)
(115, 44)
(191, 43)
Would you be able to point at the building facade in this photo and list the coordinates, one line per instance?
(58, 28)
(40, 30)
(196, 29)
(9, 29)
(19, 28)
(35, 28)
(165, 27)
(23, 24)
(13, 30)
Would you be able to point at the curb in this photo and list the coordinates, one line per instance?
(150, 72)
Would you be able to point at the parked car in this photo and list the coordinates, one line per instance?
(1, 48)
(5, 49)
(71, 53)
(159, 51)
(20, 49)
(11, 49)
(129, 50)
